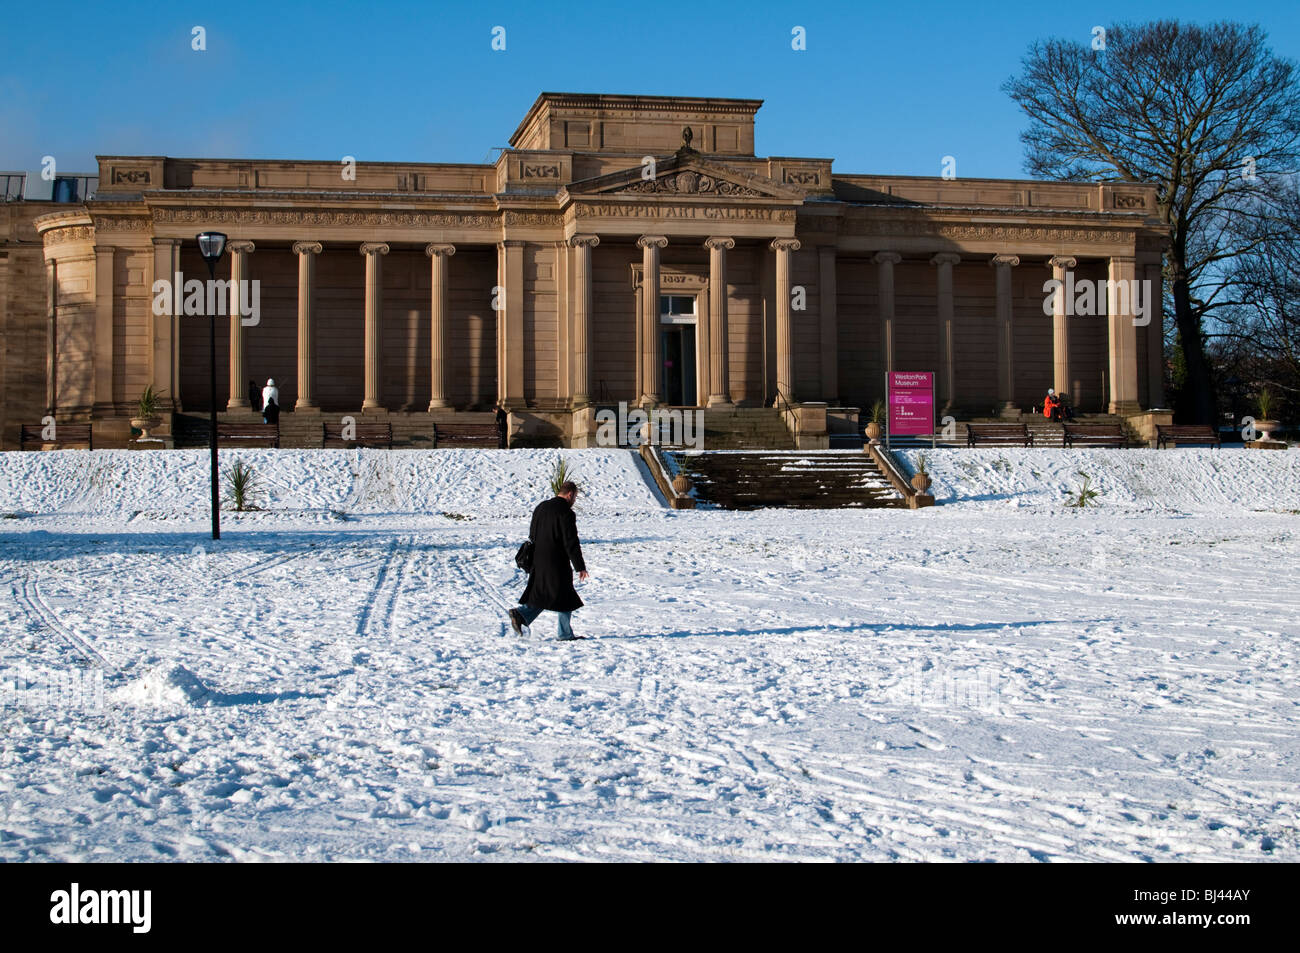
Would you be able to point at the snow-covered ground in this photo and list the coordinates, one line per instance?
(1000, 677)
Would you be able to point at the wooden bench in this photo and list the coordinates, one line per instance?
(241, 435)
(466, 435)
(64, 435)
(998, 435)
(1095, 435)
(363, 435)
(1174, 434)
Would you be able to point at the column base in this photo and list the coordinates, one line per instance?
(305, 408)
(237, 404)
(1124, 407)
(1009, 411)
(720, 400)
(439, 403)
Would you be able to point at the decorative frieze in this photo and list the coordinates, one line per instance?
(77, 233)
(533, 220)
(123, 223)
(690, 183)
(995, 233)
(306, 217)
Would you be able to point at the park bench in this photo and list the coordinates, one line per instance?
(1095, 435)
(64, 435)
(1186, 434)
(465, 435)
(363, 435)
(998, 435)
(242, 435)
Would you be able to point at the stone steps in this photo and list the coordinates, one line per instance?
(818, 480)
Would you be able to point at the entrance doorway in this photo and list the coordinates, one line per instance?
(677, 323)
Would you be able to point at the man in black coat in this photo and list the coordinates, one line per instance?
(556, 548)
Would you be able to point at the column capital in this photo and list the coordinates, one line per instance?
(652, 241)
(786, 244)
(719, 242)
(374, 248)
(242, 246)
(1062, 261)
(586, 241)
(307, 248)
(945, 258)
(439, 248)
(162, 242)
(1004, 261)
(887, 258)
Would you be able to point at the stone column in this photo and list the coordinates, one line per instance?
(306, 252)
(239, 252)
(582, 336)
(1060, 327)
(947, 389)
(510, 268)
(103, 348)
(1006, 336)
(51, 336)
(1155, 332)
(784, 247)
(164, 336)
(719, 384)
(828, 298)
(373, 252)
(438, 357)
(652, 356)
(1123, 337)
(885, 262)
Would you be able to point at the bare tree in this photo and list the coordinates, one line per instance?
(1208, 113)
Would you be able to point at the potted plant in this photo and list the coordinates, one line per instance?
(147, 413)
(921, 478)
(1265, 422)
(875, 427)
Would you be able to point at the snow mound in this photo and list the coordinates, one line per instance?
(129, 485)
(1182, 480)
(167, 686)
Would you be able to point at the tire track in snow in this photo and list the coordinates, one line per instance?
(28, 596)
(376, 618)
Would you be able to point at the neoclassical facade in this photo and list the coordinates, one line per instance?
(624, 248)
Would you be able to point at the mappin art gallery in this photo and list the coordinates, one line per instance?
(623, 249)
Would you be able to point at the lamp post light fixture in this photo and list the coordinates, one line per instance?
(212, 245)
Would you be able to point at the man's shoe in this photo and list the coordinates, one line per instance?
(516, 622)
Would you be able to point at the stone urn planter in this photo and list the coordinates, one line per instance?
(1267, 428)
(681, 484)
(921, 482)
(874, 430)
(145, 424)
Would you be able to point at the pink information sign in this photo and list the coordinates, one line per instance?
(911, 402)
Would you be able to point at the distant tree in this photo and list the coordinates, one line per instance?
(1208, 114)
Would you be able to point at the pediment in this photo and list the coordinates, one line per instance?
(686, 173)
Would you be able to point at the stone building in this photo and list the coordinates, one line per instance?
(624, 248)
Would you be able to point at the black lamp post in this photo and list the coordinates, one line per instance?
(212, 245)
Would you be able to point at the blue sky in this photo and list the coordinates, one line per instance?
(882, 88)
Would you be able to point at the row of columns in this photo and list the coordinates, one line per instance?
(373, 252)
(1122, 331)
(713, 340)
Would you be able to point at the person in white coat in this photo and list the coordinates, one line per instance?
(270, 402)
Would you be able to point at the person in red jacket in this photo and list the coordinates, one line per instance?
(1052, 405)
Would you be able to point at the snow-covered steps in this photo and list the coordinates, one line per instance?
(798, 479)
